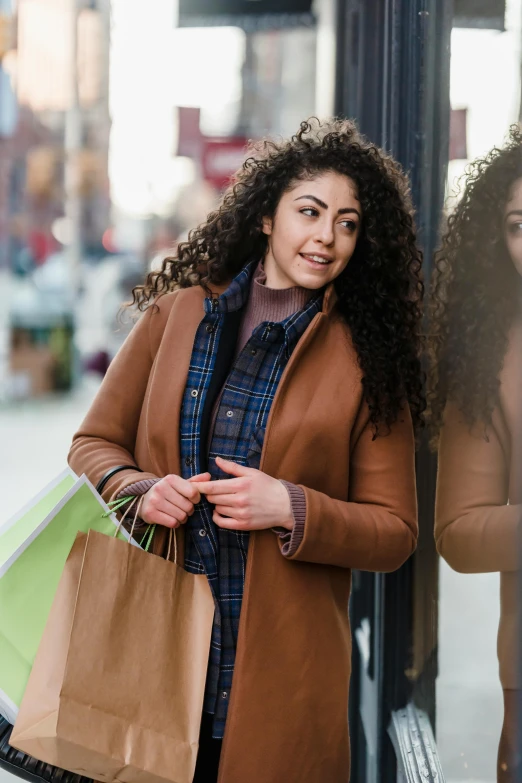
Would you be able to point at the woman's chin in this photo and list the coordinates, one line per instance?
(314, 279)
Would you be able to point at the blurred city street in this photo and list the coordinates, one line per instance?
(122, 126)
(36, 435)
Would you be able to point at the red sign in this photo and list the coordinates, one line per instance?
(458, 148)
(221, 159)
(190, 140)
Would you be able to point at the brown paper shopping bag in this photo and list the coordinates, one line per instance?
(116, 691)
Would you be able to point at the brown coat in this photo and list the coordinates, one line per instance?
(288, 714)
(476, 530)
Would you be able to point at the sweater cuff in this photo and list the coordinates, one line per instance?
(136, 489)
(290, 540)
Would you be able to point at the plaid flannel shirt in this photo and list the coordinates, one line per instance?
(238, 436)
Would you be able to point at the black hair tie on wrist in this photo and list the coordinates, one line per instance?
(112, 472)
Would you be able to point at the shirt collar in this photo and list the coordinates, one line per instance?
(296, 324)
(236, 295)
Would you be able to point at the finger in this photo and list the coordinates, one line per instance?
(184, 487)
(160, 518)
(232, 468)
(229, 511)
(228, 523)
(220, 487)
(200, 477)
(236, 501)
(172, 497)
(171, 511)
(176, 507)
(163, 493)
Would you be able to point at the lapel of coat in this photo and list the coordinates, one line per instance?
(166, 392)
(280, 435)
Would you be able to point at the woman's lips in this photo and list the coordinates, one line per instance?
(313, 261)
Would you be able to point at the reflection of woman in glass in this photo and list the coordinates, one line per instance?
(477, 396)
(280, 344)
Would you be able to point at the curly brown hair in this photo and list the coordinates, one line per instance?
(475, 292)
(381, 289)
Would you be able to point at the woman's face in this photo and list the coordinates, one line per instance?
(513, 224)
(314, 232)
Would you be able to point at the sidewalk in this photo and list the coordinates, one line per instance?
(469, 695)
(36, 436)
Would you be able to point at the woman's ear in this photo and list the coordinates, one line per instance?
(267, 226)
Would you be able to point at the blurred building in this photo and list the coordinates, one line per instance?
(54, 187)
(120, 124)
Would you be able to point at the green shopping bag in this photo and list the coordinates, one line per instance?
(18, 530)
(33, 550)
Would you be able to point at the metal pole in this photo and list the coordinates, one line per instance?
(327, 44)
(72, 147)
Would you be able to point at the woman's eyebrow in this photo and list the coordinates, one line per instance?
(322, 204)
(517, 212)
(314, 198)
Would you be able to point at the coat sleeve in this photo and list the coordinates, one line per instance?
(475, 530)
(376, 528)
(107, 435)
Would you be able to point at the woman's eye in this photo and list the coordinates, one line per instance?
(310, 211)
(515, 228)
(350, 225)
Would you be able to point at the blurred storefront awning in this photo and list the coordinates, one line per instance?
(45, 46)
(485, 14)
(250, 15)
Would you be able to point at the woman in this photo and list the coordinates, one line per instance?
(279, 352)
(477, 395)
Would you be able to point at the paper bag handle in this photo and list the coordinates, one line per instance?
(150, 533)
(137, 497)
(172, 537)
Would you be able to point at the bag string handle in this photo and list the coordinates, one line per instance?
(149, 534)
(114, 505)
(172, 537)
(120, 523)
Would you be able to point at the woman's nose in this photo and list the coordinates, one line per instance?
(325, 233)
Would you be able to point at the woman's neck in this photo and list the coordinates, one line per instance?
(275, 277)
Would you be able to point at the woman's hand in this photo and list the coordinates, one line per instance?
(251, 501)
(171, 501)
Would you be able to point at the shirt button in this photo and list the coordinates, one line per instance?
(188, 461)
(202, 533)
(230, 414)
(194, 392)
(210, 328)
(253, 351)
(224, 695)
